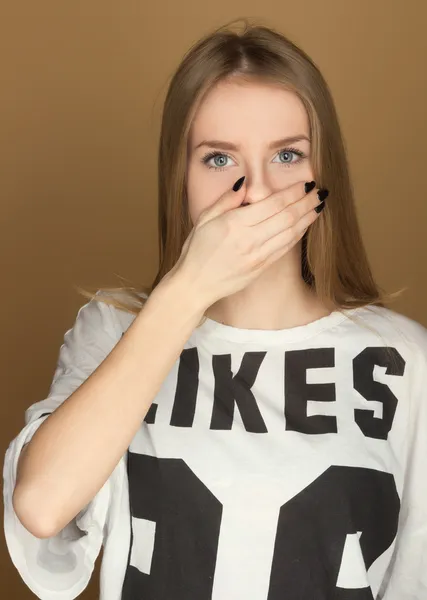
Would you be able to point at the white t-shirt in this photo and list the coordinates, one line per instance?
(272, 464)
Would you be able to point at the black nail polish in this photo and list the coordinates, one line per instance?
(239, 183)
(322, 194)
(309, 186)
(320, 207)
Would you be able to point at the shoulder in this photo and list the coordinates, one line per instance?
(95, 315)
(99, 318)
(395, 328)
(118, 307)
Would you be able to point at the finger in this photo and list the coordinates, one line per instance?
(267, 207)
(229, 200)
(281, 243)
(286, 218)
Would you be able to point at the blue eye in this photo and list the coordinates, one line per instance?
(215, 155)
(288, 152)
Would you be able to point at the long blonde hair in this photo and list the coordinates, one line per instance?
(333, 257)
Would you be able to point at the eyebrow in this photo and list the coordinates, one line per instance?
(229, 146)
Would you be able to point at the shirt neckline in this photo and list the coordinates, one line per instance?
(215, 329)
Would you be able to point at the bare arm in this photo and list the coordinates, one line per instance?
(77, 447)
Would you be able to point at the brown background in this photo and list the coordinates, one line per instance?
(82, 87)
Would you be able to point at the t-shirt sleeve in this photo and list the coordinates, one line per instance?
(60, 567)
(406, 577)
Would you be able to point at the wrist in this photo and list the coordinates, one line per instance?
(183, 293)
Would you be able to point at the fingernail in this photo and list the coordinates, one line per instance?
(309, 186)
(322, 194)
(320, 207)
(239, 183)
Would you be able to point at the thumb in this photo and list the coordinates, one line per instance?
(231, 199)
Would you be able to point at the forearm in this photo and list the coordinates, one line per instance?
(78, 446)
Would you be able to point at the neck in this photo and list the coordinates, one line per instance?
(278, 299)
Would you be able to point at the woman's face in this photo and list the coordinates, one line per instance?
(252, 118)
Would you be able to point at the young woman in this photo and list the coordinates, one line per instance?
(253, 425)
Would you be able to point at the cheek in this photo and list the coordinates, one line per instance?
(201, 193)
(290, 176)
(307, 171)
(195, 207)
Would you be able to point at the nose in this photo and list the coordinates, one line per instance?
(257, 188)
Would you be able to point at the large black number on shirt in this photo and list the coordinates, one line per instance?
(188, 519)
(313, 526)
(311, 532)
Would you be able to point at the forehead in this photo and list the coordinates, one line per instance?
(230, 108)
